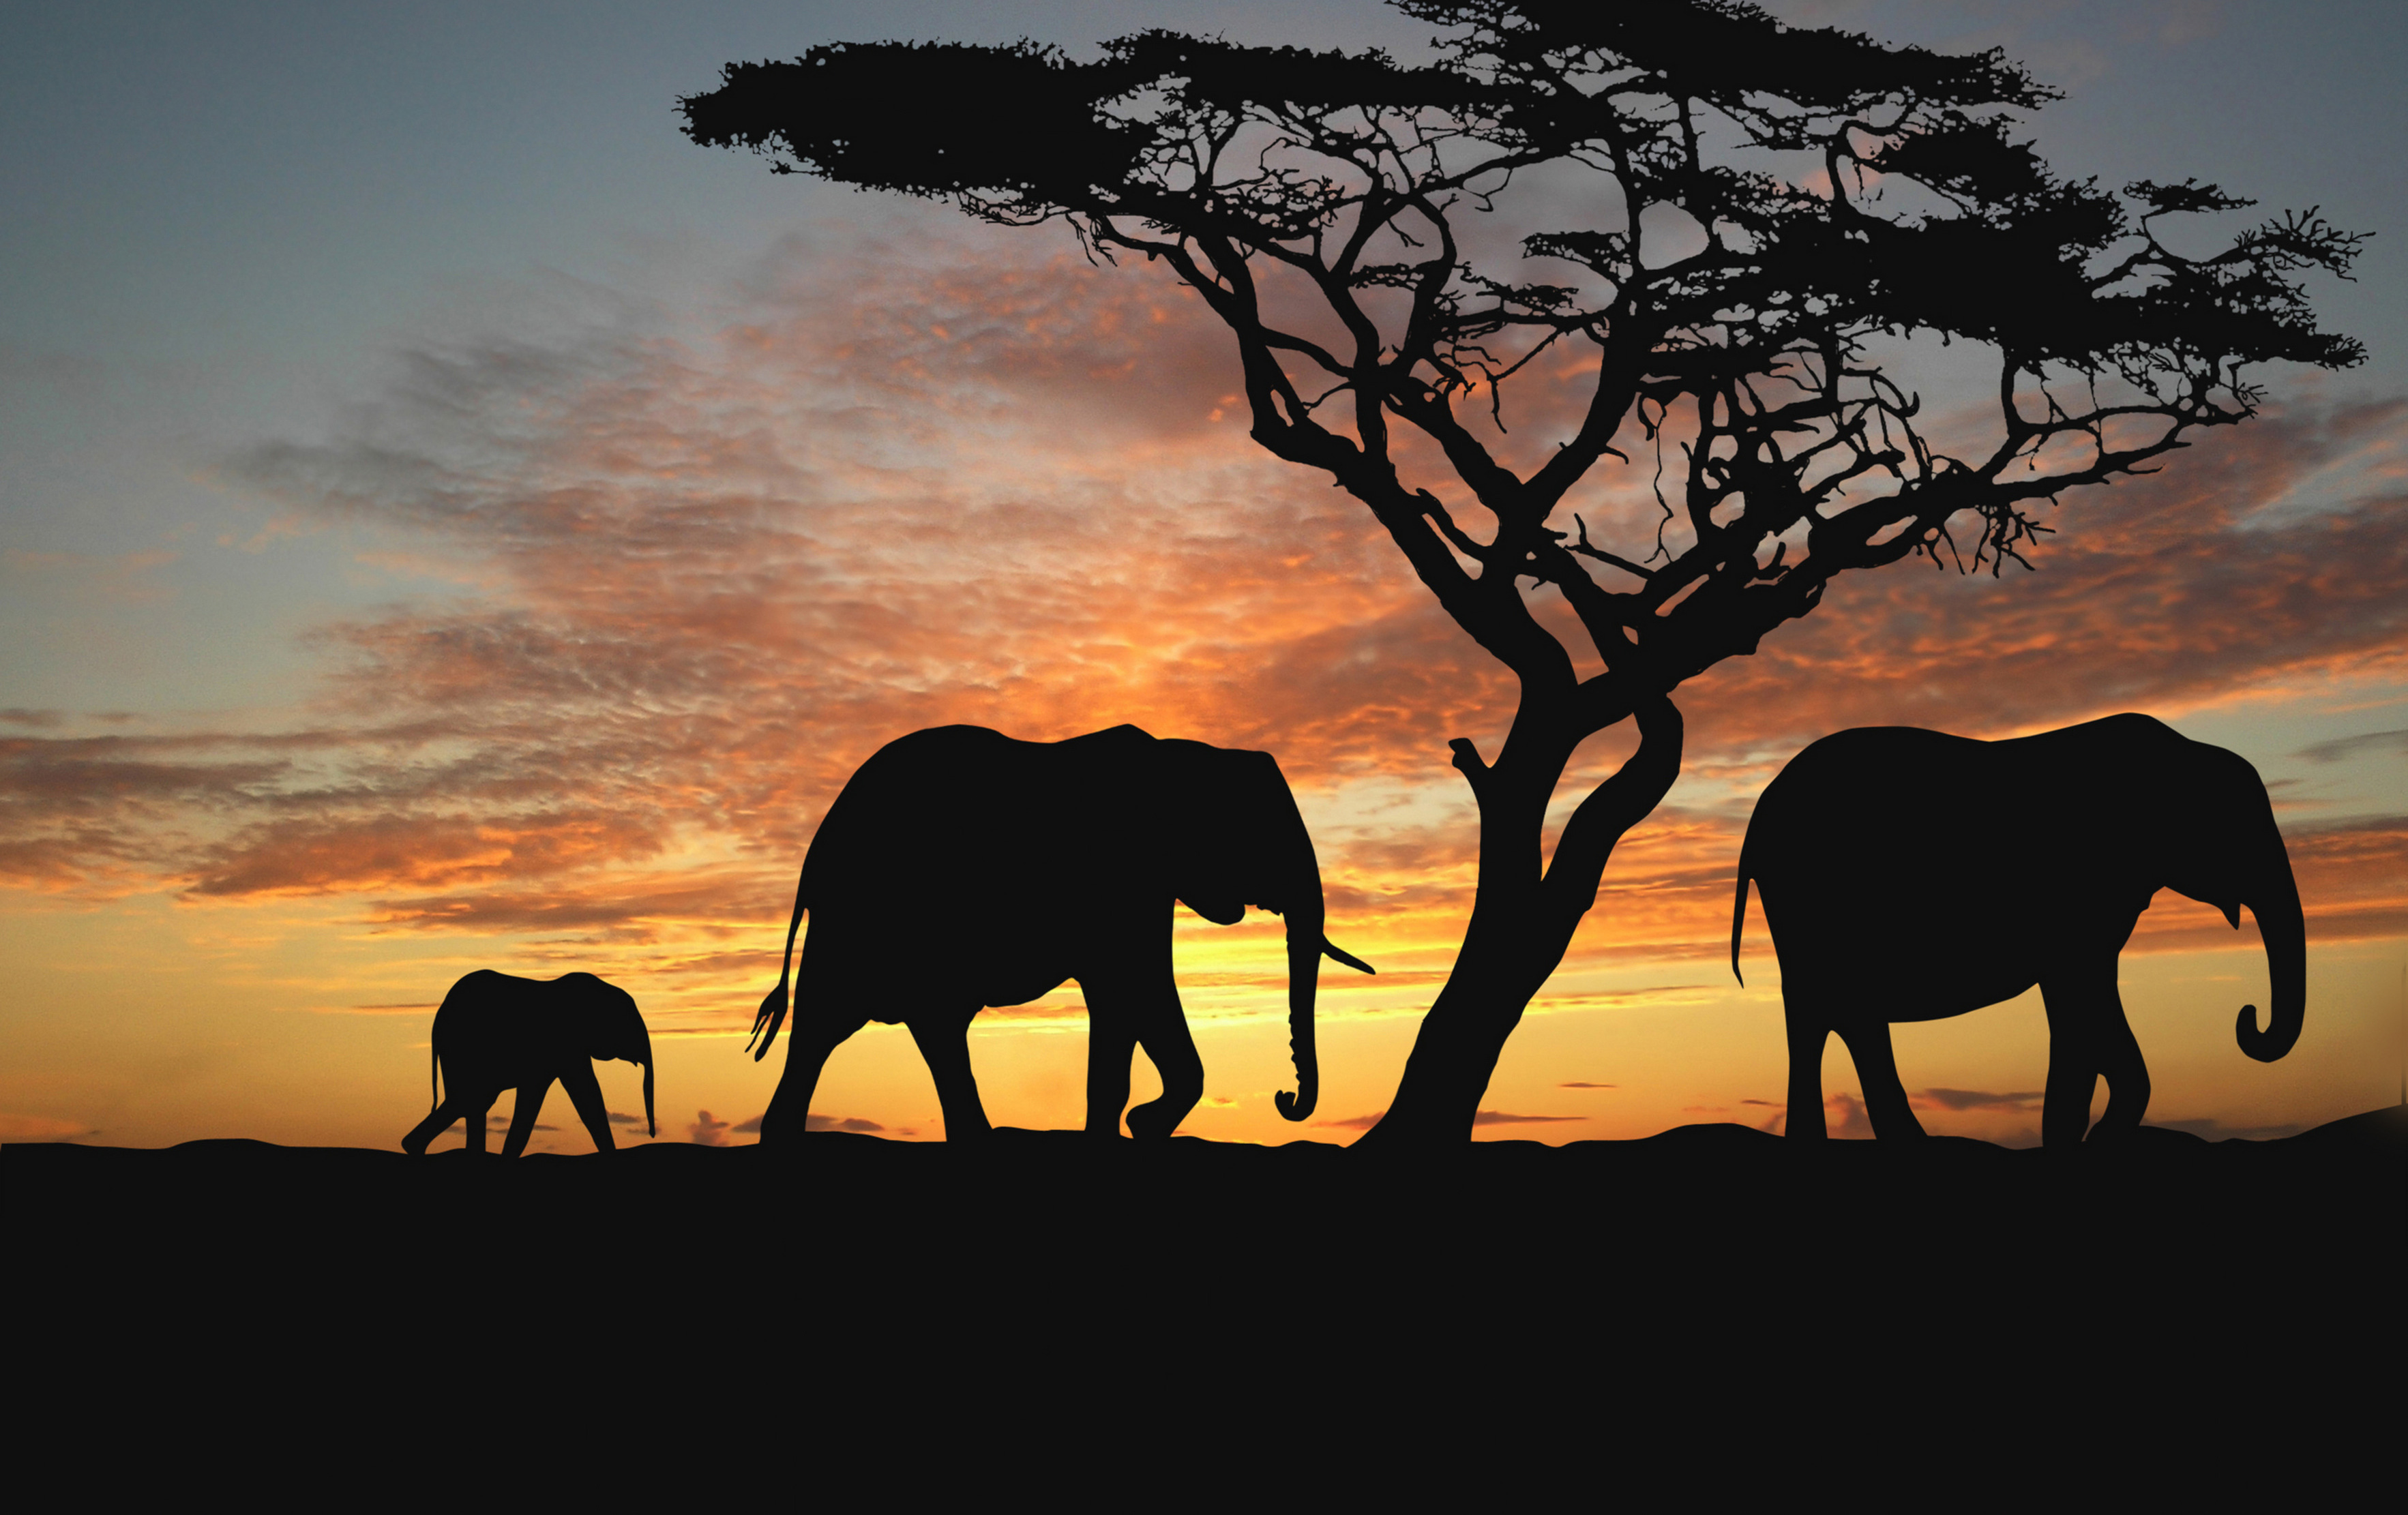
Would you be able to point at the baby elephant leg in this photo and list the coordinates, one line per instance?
(530, 1104)
(475, 1113)
(585, 1093)
(435, 1125)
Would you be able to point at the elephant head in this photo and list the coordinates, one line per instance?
(2226, 851)
(615, 1031)
(1238, 839)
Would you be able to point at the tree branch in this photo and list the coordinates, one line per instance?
(1615, 806)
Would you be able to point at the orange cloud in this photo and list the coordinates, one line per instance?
(348, 853)
(711, 569)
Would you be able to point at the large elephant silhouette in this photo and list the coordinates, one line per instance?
(496, 1032)
(1885, 906)
(960, 869)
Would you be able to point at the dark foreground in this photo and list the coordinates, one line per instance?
(1036, 1207)
(1506, 1308)
(1046, 1264)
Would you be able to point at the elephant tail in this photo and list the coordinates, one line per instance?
(434, 1089)
(773, 1004)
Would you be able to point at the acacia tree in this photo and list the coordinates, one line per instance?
(1780, 203)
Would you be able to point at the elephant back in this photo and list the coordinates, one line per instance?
(1866, 830)
(493, 1029)
(955, 824)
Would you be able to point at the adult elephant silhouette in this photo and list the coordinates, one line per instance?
(960, 869)
(496, 1032)
(1881, 913)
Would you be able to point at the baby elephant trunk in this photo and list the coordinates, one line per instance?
(638, 1048)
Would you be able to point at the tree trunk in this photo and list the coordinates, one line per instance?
(1523, 915)
(1465, 1031)
(1511, 946)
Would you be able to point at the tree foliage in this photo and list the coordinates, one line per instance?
(1355, 171)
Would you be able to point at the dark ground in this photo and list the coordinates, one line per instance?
(1604, 1282)
(1053, 1212)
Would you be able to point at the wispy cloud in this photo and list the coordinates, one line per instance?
(838, 1123)
(707, 566)
(1507, 1117)
(1843, 1115)
(43, 1128)
(2371, 744)
(1976, 1099)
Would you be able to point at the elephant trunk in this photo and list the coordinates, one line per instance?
(2275, 903)
(650, 1126)
(1292, 887)
(1304, 949)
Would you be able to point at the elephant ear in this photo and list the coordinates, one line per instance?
(1194, 810)
(1274, 849)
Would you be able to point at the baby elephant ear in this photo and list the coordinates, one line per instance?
(637, 1039)
(634, 1044)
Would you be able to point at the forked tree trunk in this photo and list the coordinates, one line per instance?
(1465, 1032)
(1522, 917)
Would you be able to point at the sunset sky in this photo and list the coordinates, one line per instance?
(450, 521)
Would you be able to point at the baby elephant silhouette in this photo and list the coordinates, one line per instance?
(496, 1032)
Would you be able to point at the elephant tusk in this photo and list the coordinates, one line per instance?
(1332, 949)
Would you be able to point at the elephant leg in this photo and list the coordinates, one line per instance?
(2118, 1055)
(434, 1126)
(1886, 1103)
(1807, 1034)
(945, 1042)
(808, 1049)
(530, 1104)
(585, 1093)
(476, 1118)
(2065, 1103)
(435, 1123)
(1163, 1033)
(1112, 1042)
(2079, 1007)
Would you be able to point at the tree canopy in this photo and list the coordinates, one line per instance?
(1780, 206)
